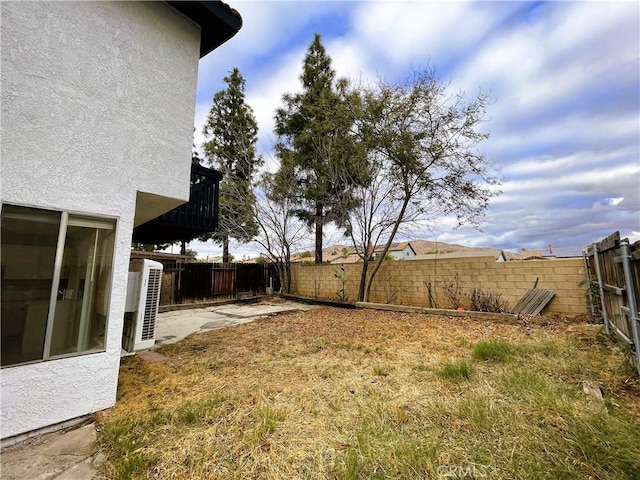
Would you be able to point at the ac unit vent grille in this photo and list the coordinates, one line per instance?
(151, 304)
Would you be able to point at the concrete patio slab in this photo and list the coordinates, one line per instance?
(260, 309)
(68, 454)
(171, 327)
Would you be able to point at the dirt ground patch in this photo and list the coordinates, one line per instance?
(334, 393)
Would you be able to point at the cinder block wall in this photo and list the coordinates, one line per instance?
(405, 282)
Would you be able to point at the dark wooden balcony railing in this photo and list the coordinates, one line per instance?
(196, 217)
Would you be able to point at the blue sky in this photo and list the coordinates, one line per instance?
(565, 78)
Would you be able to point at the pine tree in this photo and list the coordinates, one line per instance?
(316, 148)
(231, 131)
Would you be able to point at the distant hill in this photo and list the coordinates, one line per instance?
(426, 246)
(421, 247)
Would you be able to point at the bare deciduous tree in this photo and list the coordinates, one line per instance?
(421, 144)
(280, 232)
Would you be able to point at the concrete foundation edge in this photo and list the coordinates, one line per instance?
(74, 422)
(437, 311)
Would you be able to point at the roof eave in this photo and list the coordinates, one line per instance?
(218, 21)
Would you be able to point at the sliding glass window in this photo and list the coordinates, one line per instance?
(56, 277)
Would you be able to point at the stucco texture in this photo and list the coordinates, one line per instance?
(97, 104)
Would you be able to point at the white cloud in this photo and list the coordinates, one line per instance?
(265, 95)
(570, 135)
(267, 27)
(568, 49)
(402, 33)
(350, 59)
(564, 75)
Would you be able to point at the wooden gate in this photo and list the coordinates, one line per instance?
(613, 273)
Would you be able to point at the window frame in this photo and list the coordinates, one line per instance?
(80, 219)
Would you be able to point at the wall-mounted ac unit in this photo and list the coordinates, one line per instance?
(141, 309)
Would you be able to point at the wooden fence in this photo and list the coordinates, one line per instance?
(195, 282)
(613, 271)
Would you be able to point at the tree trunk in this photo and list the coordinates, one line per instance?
(225, 249)
(384, 252)
(284, 271)
(319, 224)
(280, 270)
(363, 278)
(287, 277)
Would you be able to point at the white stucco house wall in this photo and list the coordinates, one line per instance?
(97, 105)
(399, 251)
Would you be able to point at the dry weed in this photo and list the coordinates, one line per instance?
(335, 393)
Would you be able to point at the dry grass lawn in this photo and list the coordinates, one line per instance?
(347, 394)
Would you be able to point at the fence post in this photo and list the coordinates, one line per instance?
(605, 316)
(589, 283)
(631, 298)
